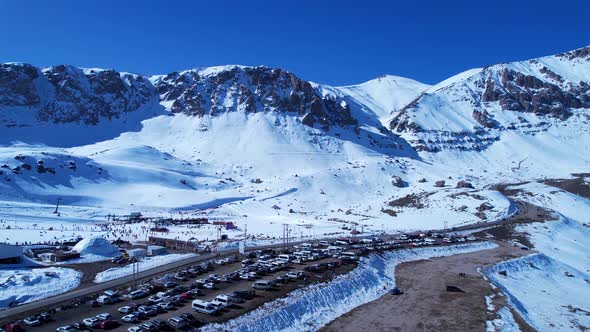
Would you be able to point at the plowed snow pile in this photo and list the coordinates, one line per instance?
(23, 286)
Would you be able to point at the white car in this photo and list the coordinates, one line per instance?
(104, 316)
(32, 321)
(209, 285)
(137, 294)
(91, 322)
(131, 318)
(67, 328)
(295, 274)
(125, 310)
(135, 329)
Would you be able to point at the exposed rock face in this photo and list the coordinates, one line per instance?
(440, 183)
(464, 184)
(470, 113)
(398, 182)
(66, 94)
(251, 89)
(525, 93)
(16, 85)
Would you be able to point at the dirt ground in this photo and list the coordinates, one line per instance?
(425, 304)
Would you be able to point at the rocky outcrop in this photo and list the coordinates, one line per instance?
(397, 181)
(525, 93)
(251, 89)
(440, 183)
(464, 184)
(66, 94)
(17, 86)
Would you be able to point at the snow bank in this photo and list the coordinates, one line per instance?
(504, 323)
(19, 286)
(548, 294)
(97, 246)
(146, 264)
(312, 307)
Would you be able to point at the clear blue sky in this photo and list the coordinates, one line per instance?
(333, 42)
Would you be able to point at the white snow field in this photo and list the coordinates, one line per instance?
(146, 263)
(22, 285)
(549, 295)
(310, 308)
(550, 289)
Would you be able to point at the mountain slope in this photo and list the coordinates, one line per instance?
(262, 147)
(527, 96)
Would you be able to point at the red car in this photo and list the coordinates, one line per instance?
(185, 295)
(109, 325)
(14, 327)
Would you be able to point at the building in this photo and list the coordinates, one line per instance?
(156, 250)
(58, 256)
(135, 216)
(135, 252)
(10, 254)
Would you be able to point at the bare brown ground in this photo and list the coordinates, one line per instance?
(425, 304)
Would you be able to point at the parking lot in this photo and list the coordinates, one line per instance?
(172, 294)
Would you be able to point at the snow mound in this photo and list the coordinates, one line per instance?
(548, 294)
(18, 286)
(96, 246)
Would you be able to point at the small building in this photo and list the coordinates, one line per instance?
(135, 216)
(226, 224)
(10, 254)
(135, 253)
(59, 256)
(156, 250)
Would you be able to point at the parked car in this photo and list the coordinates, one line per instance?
(295, 274)
(109, 325)
(263, 284)
(91, 322)
(104, 316)
(138, 294)
(131, 318)
(177, 322)
(125, 310)
(67, 328)
(32, 321)
(170, 284)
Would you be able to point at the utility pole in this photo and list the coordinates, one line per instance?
(57, 206)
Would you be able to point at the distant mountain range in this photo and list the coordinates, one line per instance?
(234, 136)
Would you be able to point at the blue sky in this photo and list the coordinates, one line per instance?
(333, 42)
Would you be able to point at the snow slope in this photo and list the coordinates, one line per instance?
(550, 289)
(385, 95)
(19, 286)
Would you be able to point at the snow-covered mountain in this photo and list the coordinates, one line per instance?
(471, 110)
(261, 145)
